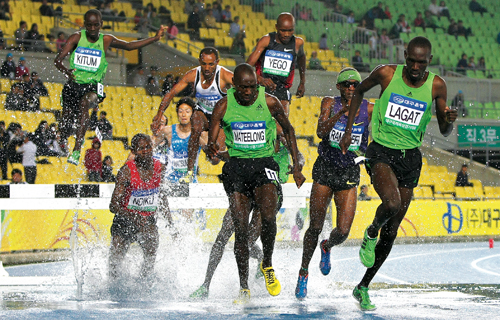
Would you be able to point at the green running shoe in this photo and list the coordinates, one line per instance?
(201, 293)
(243, 297)
(367, 251)
(74, 158)
(363, 298)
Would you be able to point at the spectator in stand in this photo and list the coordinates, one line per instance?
(93, 161)
(238, 45)
(314, 62)
(61, 41)
(216, 11)
(235, 28)
(55, 145)
(361, 34)
(153, 71)
(419, 21)
(9, 67)
(453, 28)
(194, 23)
(323, 42)
(155, 21)
(481, 65)
(350, 17)
(105, 126)
(164, 14)
(172, 30)
(210, 21)
(443, 10)
(15, 132)
(430, 21)
(363, 193)
(5, 10)
(433, 8)
(406, 28)
(338, 9)
(295, 11)
(151, 88)
(462, 64)
(138, 16)
(189, 6)
(140, 79)
(373, 45)
(17, 177)
(168, 84)
(36, 88)
(388, 13)
(384, 44)
(20, 35)
(374, 13)
(310, 16)
(40, 45)
(107, 170)
(2, 40)
(303, 14)
(463, 31)
(398, 28)
(4, 141)
(32, 37)
(41, 138)
(25, 83)
(357, 62)
(474, 6)
(51, 44)
(458, 103)
(28, 150)
(150, 8)
(46, 9)
(463, 178)
(15, 98)
(471, 65)
(201, 8)
(21, 68)
(227, 15)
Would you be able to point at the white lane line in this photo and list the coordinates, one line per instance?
(475, 262)
(434, 252)
(392, 279)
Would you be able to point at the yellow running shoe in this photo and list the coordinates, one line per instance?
(243, 297)
(273, 285)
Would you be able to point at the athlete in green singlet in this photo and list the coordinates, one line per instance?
(399, 121)
(88, 65)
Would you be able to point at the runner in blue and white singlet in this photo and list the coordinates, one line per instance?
(178, 157)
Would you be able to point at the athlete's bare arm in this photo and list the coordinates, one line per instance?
(278, 113)
(444, 114)
(119, 193)
(325, 123)
(114, 42)
(219, 111)
(69, 47)
(370, 111)
(226, 79)
(382, 75)
(163, 205)
(254, 57)
(189, 77)
(301, 64)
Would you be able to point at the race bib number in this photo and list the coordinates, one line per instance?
(249, 135)
(180, 164)
(338, 132)
(100, 90)
(404, 112)
(87, 59)
(207, 102)
(163, 158)
(144, 200)
(277, 63)
(271, 174)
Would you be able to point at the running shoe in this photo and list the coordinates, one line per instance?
(243, 297)
(273, 285)
(259, 273)
(74, 158)
(324, 265)
(363, 298)
(301, 289)
(201, 293)
(367, 250)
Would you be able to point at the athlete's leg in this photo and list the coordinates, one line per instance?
(240, 206)
(89, 101)
(386, 186)
(199, 123)
(266, 197)
(148, 239)
(388, 234)
(117, 251)
(320, 200)
(286, 106)
(345, 203)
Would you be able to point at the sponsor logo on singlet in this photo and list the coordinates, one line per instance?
(277, 63)
(249, 135)
(338, 132)
(404, 112)
(87, 59)
(144, 200)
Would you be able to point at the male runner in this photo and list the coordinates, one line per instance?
(275, 58)
(400, 117)
(246, 116)
(210, 85)
(88, 65)
(136, 199)
(334, 174)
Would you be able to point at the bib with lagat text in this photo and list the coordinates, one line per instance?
(404, 112)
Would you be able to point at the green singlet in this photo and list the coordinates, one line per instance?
(250, 130)
(401, 115)
(89, 60)
(282, 157)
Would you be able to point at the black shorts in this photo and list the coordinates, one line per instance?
(73, 92)
(282, 93)
(124, 228)
(406, 164)
(245, 175)
(208, 115)
(335, 178)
